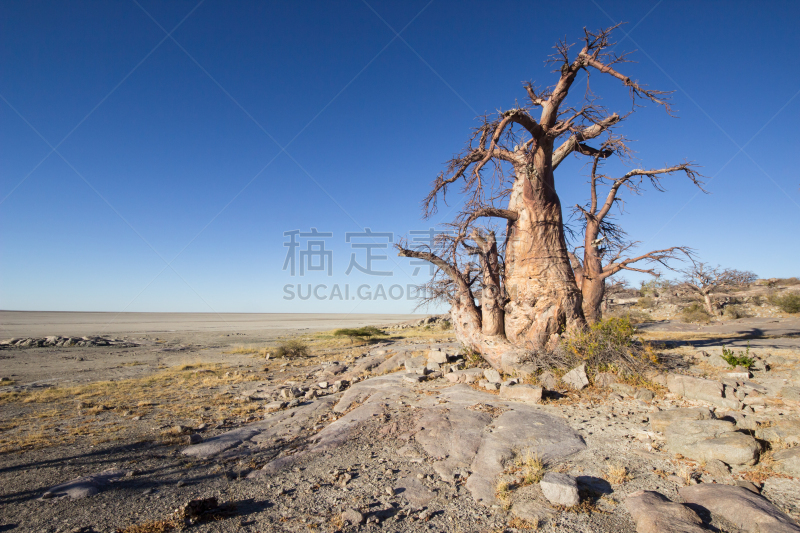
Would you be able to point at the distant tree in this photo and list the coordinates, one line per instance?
(366, 332)
(703, 280)
(605, 246)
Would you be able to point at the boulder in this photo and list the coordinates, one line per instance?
(623, 389)
(560, 489)
(787, 461)
(492, 375)
(703, 440)
(655, 513)
(416, 365)
(437, 356)
(522, 393)
(352, 516)
(646, 395)
(576, 378)
(548, 380)
(661, 419)
(604, 379)
(745, 509)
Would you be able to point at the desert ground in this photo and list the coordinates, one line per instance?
(157, 422)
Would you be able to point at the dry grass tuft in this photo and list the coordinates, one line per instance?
(158, 526)
(533, 468)
(617, 474)
(519, 523)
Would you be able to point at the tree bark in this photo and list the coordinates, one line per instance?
(709, 305)
(544, 298)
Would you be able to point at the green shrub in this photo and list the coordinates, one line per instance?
(292, 348)
(788, 302)
(695, 312)
(646, 302)
(735, 312)
(366, 332)
(740, 359)
(634, 316)
(608, 345)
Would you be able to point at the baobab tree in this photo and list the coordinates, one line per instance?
(526, 285)
(605, 247)
(703, 280)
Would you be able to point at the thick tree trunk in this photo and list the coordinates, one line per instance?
(709, 305)
(545, 300)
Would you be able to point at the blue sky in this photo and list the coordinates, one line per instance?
(181, 160)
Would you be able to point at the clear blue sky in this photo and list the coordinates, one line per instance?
(255, 118)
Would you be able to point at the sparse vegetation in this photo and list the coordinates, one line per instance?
(634, 316)
(532, 467)
(788, 302)
(741, 359)
(503, 493)
(646, 302)
(366, 332)
(695, 313)
(291, 348)
(617, 474)
(608, 345)
(735, 312)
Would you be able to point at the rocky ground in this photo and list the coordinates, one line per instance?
(181, 430)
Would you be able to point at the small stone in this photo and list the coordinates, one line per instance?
(195, 438)
(489, 385)
(433, 366)
(560, 489)
(352, 516)
(322, 384)
(389, 491)
(274, 406)
(412, 378)
(644, 395)
(576, 378)
(181, 483)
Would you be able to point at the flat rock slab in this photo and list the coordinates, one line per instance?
(703, 440)
(655, 513)
(660, 420)
(706, 390)
(463, 431)
(277, 423)
(413, 490)
(785, 493)
(745, 509)
(788, 461)
(784, 432)
(84, 487)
